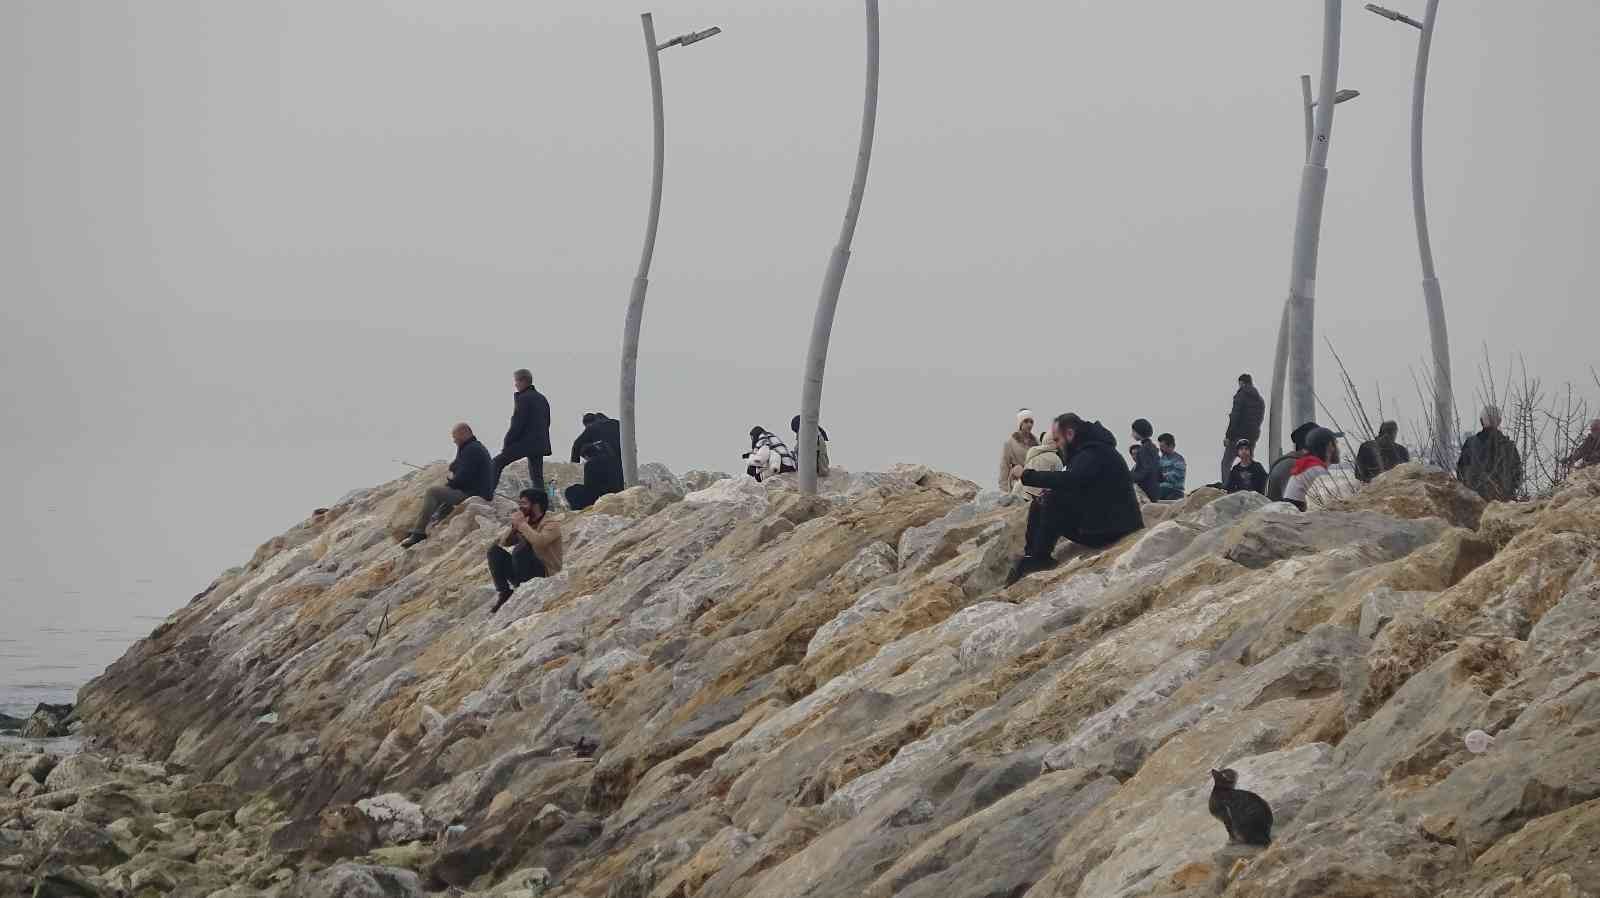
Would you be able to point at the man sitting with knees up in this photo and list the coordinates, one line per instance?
(471, 474)
(1090, 501)
(534, 541)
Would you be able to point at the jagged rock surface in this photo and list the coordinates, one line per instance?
(734, 690)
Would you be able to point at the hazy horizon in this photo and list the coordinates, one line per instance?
(254, 253)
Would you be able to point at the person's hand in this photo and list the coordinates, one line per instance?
(1016, 472)
(518, 519)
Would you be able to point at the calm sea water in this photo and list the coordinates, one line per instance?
(57, 644)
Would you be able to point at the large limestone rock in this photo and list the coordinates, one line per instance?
(734, 690)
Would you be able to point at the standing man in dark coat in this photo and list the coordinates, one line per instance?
(529, 434)
(597, 428)
(471, 474)
(1244, 422)
(1089, 502)
(1490, 464)
(1379, 455)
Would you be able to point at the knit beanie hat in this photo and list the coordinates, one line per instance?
(1023, 415)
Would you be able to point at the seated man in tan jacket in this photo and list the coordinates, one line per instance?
(534, 541)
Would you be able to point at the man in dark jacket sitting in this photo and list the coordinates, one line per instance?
(529, 434)
(1379, 455)
(1089, 502)
(1247, 475)
(597, 428)
(602, 476)
(471, 474)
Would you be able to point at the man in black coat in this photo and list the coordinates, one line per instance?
(529, 434)
(1379, 455)
(1089, 502)
(597, 428)
(602, 476)
(471, 474)
(1244, 421)
(1490, 464)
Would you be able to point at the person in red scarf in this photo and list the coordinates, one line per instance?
(1322, 450)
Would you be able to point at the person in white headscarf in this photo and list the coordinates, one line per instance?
(1014, 452)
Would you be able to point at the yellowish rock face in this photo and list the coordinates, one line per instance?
(733, 690)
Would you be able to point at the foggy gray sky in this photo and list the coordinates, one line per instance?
(249, 253)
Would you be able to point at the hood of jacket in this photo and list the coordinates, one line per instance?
(1092, 433)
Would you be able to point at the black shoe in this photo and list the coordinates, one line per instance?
(412, 540)
(503, 597)
(1028, 565)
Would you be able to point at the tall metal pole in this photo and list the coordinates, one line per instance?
(1308, 229)
(833, 281)
(1433, 298)
(1280, 356)
(641, 282)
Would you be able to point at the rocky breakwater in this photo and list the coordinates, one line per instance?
(733, 690)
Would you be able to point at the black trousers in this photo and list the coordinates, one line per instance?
(514, 568)
(581, 496)
(513, 454)
(1049, 522)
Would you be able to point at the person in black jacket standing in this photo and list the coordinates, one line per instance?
(1089, 502)
(1490, 464)
(597, 428)
(471, 474)
(1244, 421)
(1146, 460)
(529, 434)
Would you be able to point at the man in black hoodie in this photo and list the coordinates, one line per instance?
(1089, 502)
(471, 474)
(597, 428)
(1146, 461)
(1378, 455)
(1244, 421)
(529, 434)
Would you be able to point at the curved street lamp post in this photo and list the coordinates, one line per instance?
(641, 282)
(1280, 358)
(1433, 298)
(833, 281)
(1308, 229)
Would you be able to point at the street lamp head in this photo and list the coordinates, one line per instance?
(1342, 96)
(1392, 15)
(684, 40)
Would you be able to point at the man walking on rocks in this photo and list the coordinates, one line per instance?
(534, 541)
(1090, 501)
(1244, 421)
(529, 434)
(471, 474)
